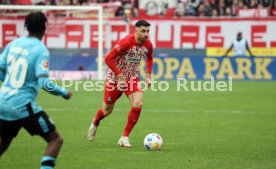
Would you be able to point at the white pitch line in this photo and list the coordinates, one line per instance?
(222, 111)
(157, 110)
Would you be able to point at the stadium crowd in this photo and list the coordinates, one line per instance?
(184, 8)
(216, 8)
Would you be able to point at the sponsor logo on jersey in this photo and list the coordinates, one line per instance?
(109, 99)
(133, 59)
(118, 47)
(45, 65)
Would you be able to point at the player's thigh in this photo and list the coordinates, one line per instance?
(136, 99)
(39, 124)
(4, 143)
(111, 93)
(9, 129)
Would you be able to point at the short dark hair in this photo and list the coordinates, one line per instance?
(35, 22)
(142, 23)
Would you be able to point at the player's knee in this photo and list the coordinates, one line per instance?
(138, 104)
(59, 140)
(107, 111)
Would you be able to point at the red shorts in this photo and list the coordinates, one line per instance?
(112, 93)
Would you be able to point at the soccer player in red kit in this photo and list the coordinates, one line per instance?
(123, 62)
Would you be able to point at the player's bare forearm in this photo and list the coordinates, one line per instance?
(229, 49)
(121, 77)
(149, 63)
(121, 82)
(148, 79)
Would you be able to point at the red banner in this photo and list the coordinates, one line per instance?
(177, 34)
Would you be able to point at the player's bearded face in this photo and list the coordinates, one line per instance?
(142, 33)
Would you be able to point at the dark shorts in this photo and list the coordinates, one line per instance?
(36, 124)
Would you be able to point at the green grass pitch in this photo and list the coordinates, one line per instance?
(201, 130)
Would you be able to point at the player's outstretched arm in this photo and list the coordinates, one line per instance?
(110, 61)
(228, 50)
(116, 51)
(248, 49)
(51, 87)
(3, 63)
(149, 63)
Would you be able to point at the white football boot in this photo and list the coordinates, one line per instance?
(124, 142)
(91, 134)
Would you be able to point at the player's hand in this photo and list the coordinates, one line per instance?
(121, 77)
(148, 79)
(68, 96)
(121, 82)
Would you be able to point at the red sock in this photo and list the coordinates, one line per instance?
(99, 117)
(133, 117)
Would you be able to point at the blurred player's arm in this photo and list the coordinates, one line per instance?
(51, 87)
(149, 63)
(248, 49)
(3, 64)
(42, 74)
(111, 57)
(228, 50)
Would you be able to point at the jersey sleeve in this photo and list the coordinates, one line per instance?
(3, 62)
(51, 87)
(149, 59)
(116, 52)
(3, 59)
(42, 64)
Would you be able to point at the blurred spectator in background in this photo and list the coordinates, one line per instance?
(164, 8)
(201, 10)
(214, 4)
(214, 13)
(253, 4)
(184, 8)
(194, 3)
(241, 5)
(228, 12)
(221, 7)
(207, 8)
(240, 46)
(179, 9)
(135, 7)
(246, 2)
(273, 10)
(266, 3)
(235, 7)
(7, 2)
(228, 3)
(80, 68)
(127, 15)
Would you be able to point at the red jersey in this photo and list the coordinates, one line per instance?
(125, 58)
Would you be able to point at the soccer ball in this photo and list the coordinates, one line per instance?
(153, 141)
